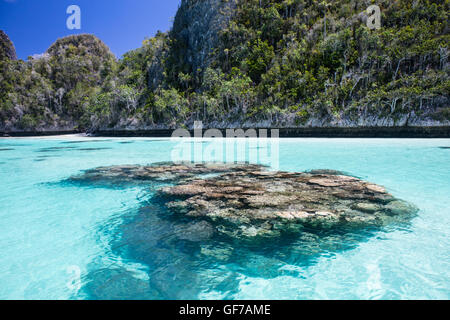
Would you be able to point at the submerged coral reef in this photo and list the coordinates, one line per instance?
(210, 223)
(246, 200)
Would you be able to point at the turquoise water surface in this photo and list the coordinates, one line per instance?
(64, 241)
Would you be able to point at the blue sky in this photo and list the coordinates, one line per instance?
(33, 25)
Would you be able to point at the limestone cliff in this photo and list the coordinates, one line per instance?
(195, 33)
(7, 50)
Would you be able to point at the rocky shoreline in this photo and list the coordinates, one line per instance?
(319, 132)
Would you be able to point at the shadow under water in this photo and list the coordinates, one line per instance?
(53, 149)
(185, 257)
(85, 141)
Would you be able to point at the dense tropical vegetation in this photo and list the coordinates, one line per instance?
(245, 63)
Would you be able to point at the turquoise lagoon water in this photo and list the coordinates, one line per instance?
(64, 241)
